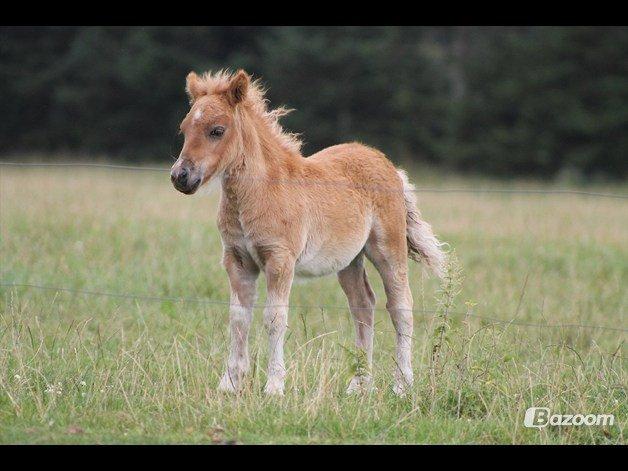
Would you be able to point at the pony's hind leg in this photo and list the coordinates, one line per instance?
(361, 298)
(389, 256)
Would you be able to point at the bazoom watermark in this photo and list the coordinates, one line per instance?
(539, 417)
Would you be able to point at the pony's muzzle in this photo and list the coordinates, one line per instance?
(185, 177)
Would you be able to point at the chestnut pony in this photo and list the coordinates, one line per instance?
(287, 216)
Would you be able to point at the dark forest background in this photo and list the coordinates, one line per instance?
(500, 100)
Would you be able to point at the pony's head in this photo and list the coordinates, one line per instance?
(209, 128)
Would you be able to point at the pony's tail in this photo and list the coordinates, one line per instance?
(423, 246)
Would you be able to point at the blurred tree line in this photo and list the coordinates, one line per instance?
(501, 100)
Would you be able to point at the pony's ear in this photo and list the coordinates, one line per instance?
(238, 87)
(193, 87)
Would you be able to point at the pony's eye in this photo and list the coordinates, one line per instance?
(217, 131)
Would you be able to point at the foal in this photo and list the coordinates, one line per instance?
(288, 216)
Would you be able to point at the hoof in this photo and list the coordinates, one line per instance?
(402, 387)
(400, 390)
(360, 384)
(274, 387)
(228, 385)
(403, 382)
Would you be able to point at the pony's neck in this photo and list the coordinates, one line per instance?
(261, 159)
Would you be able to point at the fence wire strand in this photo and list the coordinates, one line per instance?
(318, 307)
(515, 191)
(292, 306)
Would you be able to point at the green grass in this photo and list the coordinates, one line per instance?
(94, 369)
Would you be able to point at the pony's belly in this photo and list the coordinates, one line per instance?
(323, 265)
(327, 259)
(324, 253)
(313, 263)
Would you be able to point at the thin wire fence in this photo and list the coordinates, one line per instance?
(496, 320)
(330, 183)
(143, 297)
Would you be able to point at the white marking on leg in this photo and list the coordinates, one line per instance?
(276, 323)
(238, 362)
(403, 321)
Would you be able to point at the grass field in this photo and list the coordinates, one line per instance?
(78, 368)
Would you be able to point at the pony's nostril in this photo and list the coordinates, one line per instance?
(179, 177)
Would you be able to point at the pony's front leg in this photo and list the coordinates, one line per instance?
(279, 268)
(242, 279)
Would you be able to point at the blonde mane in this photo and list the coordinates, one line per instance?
(218, 82)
